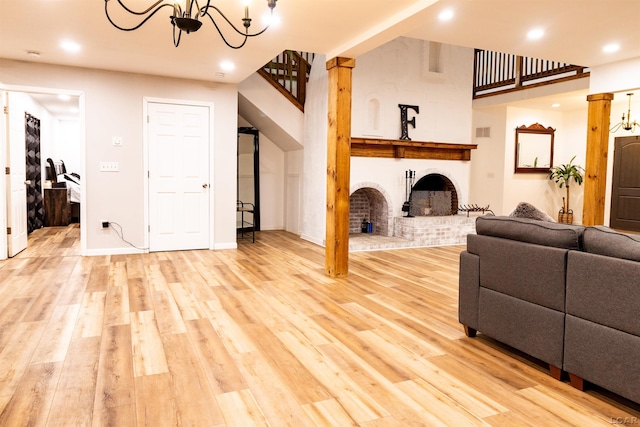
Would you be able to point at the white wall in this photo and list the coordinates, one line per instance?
(314, 179)
(488, 160)
(294, 161)
(272, 171)
(114, 107)
(493, 178)
(67, 145)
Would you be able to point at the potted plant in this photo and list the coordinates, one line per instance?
(562, 175)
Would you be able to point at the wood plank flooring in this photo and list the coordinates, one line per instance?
(259, 336)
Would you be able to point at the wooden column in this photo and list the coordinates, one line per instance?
(595, 180)
(338, 166)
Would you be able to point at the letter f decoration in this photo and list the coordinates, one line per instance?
(405, 122)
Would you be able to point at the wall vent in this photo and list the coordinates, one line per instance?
(483, 132)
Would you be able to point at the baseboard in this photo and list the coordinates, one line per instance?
(308, 238)
(222, 246)
(114, 251)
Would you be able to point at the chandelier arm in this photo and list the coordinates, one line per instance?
(246, 33)
(133, 11)
(203, 10)
(137, 26)
(616, 127)
(176, 42)
(224, 39)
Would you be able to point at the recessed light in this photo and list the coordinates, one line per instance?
(446, 15)
(535, 34)
(70, 46)
(63, 97)
(610, 48)
(227, 65)
(555, 105)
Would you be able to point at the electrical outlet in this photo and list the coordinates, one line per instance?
(105, 224)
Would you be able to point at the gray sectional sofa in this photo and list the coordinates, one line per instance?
(565, 294)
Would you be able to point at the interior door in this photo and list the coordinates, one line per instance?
(625, 194)
(16, 186)
(178, 177)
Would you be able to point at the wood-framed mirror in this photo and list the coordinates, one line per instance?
(248, 190)
(534, 149)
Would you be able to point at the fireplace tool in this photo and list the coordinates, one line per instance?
(409, 178)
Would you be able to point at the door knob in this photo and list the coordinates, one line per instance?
(28, 182)
(205, 185)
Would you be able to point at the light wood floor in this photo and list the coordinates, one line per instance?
(260, 336)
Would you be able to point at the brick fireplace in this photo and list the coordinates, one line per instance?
(434, 219)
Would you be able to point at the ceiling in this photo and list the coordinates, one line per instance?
(575, 31)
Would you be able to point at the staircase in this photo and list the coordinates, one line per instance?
(289, 72)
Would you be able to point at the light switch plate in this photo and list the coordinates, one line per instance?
(109, 167)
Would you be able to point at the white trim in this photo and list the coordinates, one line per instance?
(114, 251)
(3, 179)
(145, 156)
(222, 246)
(313, 240)
(83, 162)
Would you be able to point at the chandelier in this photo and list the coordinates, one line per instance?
(628, 125)
(188, 20)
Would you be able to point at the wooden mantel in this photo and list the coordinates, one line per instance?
(399, 148)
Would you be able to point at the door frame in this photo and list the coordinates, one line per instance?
(145, 156)
(3, 160)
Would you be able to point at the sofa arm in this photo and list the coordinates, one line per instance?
(469, 291)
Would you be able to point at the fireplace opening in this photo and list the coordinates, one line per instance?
(433, 195)
(369, 205)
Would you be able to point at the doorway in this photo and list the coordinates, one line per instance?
(248, 185)
(52, 108)
(179, 176)
(625, 193)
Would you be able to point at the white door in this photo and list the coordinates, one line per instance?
(179, 187)
(16, 187)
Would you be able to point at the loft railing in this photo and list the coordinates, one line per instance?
(289, 73)
(495, 73)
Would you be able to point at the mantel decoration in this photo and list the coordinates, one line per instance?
(562, 175)
(188, 20)
(628, 125)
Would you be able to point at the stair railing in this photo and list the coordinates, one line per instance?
(289, 72)
(495, 72)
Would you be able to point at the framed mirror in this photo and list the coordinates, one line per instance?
(534, 149)
(248, 189)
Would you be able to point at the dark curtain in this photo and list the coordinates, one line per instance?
(35, 210)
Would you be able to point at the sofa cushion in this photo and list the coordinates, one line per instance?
(532, 273)
(604, 290)
(605, 241)
(603, 356)
(565, 236)
(536, 330)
